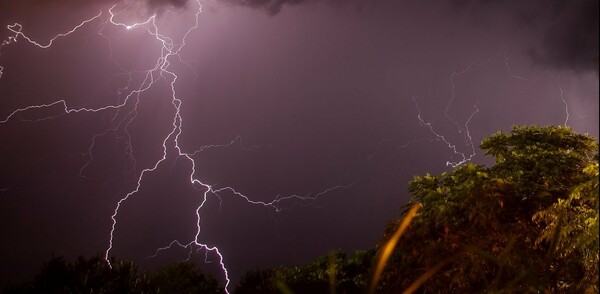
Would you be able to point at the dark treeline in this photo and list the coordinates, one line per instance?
(94, 275)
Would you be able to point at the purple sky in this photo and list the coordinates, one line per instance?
(321, 93)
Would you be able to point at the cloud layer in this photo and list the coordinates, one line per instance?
(567, 30)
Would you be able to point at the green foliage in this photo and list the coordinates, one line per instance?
(256, 282)
(333, 273)
(182, 277)
(95, 276)
(527, 224)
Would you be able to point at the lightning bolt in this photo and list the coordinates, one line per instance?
(453, 76)
(506, 60)
(465, 157)
(17, 29)
(564, 101)
(539, 77)
(464, 128)
(236, 140)
(122, 118)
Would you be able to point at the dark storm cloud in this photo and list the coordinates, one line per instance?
(571, 42)
(271, 6)
(177, 3)
(65, 2)
(568, 30)
(25, 9)
(154, 4)
(157, 4)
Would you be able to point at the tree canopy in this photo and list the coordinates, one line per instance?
(529, 223)
(332, 273)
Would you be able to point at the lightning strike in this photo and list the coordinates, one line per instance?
(465, 158)
(237, 139)
(453, 76)
(439, 137)
(169, 49)
(17, 29)
(506, 60)
(562, 97)
(465, 127)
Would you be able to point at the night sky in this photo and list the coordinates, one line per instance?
(328, 108)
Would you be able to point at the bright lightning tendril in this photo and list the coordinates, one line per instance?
(464, 128)
(169, 49)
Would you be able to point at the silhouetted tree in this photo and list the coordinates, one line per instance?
(95, 276)
(182, 277)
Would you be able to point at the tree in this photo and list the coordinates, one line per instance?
(95, 276)
(333, 273)
(182, 277)
(84, 276)
(527, 224)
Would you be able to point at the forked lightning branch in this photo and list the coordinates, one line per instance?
(170, 49)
